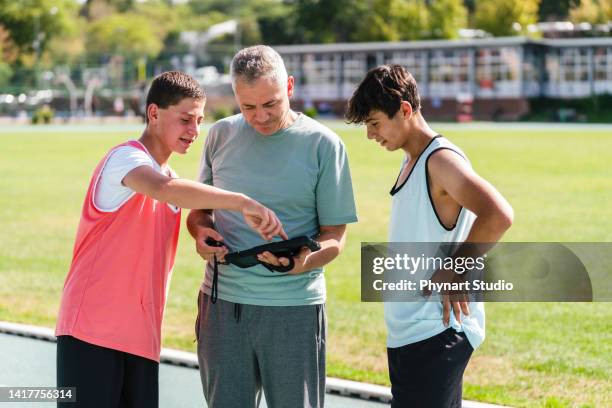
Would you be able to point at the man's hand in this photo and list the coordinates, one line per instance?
(208, 252)
(300, 260)
(262, 219)
(331, 238)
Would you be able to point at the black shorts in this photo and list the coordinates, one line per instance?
(429, 373)
(105, 378)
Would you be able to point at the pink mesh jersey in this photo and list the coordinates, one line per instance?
(115, 293)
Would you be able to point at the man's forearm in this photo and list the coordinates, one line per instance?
(332, 243)
(197, 219)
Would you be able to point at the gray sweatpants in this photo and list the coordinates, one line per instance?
(244, 349)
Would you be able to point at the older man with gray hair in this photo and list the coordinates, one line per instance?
(258, 329)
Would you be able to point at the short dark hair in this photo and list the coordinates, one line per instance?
(383, 88)
(171, 87)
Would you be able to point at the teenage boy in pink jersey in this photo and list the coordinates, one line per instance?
(109, 324)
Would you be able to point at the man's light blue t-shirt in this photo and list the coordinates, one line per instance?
(302, 174)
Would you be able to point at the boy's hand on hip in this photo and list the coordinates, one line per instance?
(455, 300)
(459, 302)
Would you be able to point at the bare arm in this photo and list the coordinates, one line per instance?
(190, 194)
(494, 215)
(199, 219)
(181, 192)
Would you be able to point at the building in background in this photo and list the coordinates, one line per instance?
(498, 76)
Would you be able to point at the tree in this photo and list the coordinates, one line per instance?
(277, 24)
(70, 46)
(591, 11)
(163, 18)
(555, 10)
(33, 24)
(500, 17)
(446, 17)
(5, 74)
(220, 6)
(8, 49)
(606, 6)
(130, 35)
(96, 9)
(326, 21)
(411, 19)
(378, 22)
(6, 54)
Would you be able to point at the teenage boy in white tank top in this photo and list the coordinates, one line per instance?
(436, 198)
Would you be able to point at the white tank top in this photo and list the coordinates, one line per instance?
(414, 219)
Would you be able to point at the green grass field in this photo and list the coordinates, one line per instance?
(535, 355)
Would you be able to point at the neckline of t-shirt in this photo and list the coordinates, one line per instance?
(281, 132)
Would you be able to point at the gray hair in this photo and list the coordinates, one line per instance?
(258, 61)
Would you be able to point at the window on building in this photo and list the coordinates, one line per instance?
(553, 69)
(602, 59)
(495, 65)
(292, 64)
(411, 60)
(532, 59)
(321, 76)
(354, 68)
(320, 69)
(574, 64)
(449, 72)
